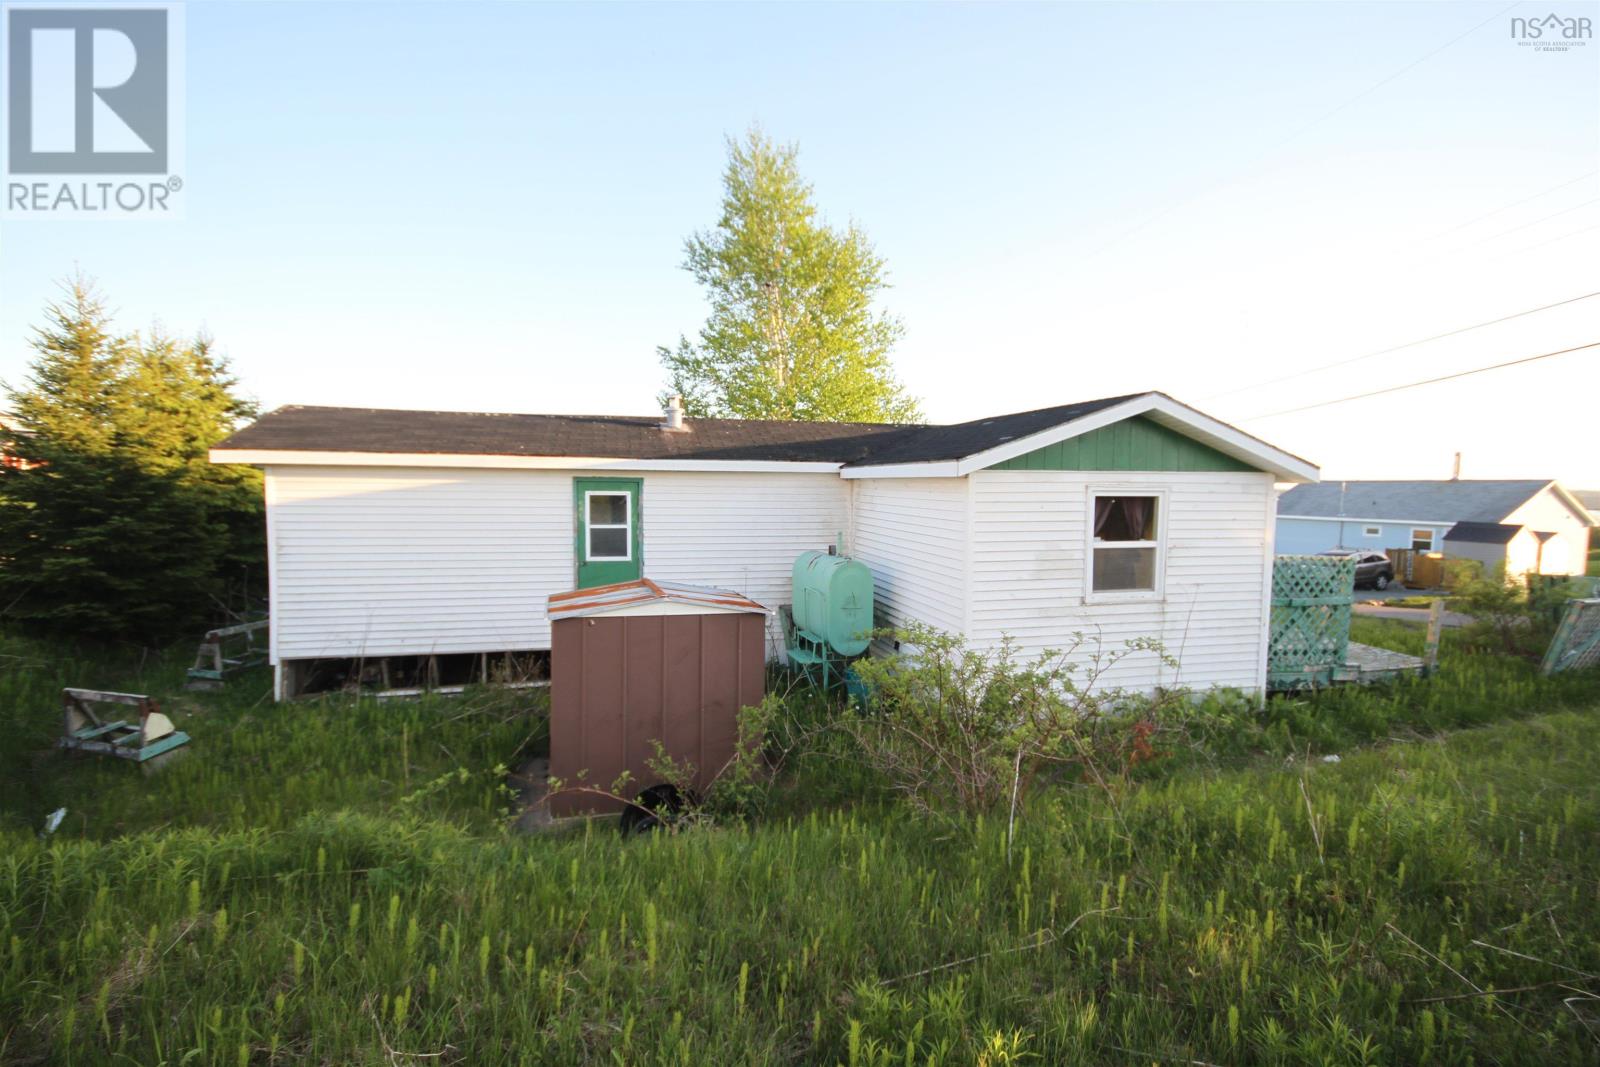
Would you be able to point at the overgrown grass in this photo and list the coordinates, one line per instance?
(1262, 916)
(1276, 912)
(1469, 688)
(252, 764)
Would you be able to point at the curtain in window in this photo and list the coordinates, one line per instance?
(1122, 518)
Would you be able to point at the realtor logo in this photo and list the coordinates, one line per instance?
(1552, 33)
(90, 92)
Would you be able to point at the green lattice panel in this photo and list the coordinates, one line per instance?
(1576, 644)
(1310, 633)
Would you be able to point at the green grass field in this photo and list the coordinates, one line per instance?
(332, 882)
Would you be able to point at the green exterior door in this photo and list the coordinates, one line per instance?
(610, 546)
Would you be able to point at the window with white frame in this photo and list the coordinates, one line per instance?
(1372, 531)
(610, 527)
(1422, 540)
(1124, 544)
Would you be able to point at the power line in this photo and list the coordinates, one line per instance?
(1561, 237)
(1397, 348)
(1535, 222)
(1517, 203)
(1295, 134)
(1430, 381)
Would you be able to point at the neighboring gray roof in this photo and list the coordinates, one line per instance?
(1448, 501)
(1589, 498)
(1482, 533)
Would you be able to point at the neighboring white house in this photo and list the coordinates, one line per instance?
(394, 533)
(1529, 526)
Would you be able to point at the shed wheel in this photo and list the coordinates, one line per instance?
(1381, 582)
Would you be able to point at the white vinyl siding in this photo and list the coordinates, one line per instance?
(1565, 553)
(1028, 574)
(912, 534)
(372, 561)
(740, 531)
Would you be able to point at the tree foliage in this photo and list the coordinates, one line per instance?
(793, 332)
(115, 524)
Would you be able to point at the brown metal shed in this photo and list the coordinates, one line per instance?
(646, 661)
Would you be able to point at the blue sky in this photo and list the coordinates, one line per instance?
(483, 207)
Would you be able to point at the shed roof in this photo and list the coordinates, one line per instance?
(621, 596)
(1482, 533)
(1407, 501)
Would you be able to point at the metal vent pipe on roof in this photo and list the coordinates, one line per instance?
(674, 414)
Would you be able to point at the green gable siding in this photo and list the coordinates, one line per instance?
(1135, 444)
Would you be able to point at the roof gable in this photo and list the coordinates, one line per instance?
(1065, 425)
(963, 439)
(1136, 444)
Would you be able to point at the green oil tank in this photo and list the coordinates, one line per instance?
(833, 601)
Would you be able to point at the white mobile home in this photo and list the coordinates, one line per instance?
(399, 533)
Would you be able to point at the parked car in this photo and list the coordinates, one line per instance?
(1372, 568)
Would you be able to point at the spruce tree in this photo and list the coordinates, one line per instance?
(116, 526)
(793, 331)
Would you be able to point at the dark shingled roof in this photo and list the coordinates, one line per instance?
(326, 429)
(1451, 501)
(1482, 533)
(931, 443)
(319, 429)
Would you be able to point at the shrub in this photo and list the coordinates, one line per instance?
(738, 789)
(953, 726)
(1512, 615)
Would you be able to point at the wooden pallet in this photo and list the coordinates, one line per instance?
(82, 729)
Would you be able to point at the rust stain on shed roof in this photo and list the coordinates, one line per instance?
(606, 598)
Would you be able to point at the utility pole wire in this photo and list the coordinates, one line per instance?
(1517, 203)
(1397, 348)
(1535, 222)
(1429, 381)
(1272, 149)
(1562, 237)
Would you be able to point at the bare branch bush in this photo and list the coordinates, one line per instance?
(952, 727)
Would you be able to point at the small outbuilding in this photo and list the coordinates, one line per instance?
(639, 663)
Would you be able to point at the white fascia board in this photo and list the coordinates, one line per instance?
(944, 468)
(273, 457)
(1164, 410)
(1368, 518)
(1230, 441)
(658, 607)
(1161, 408)
(1573, 504)
(1062, 432)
